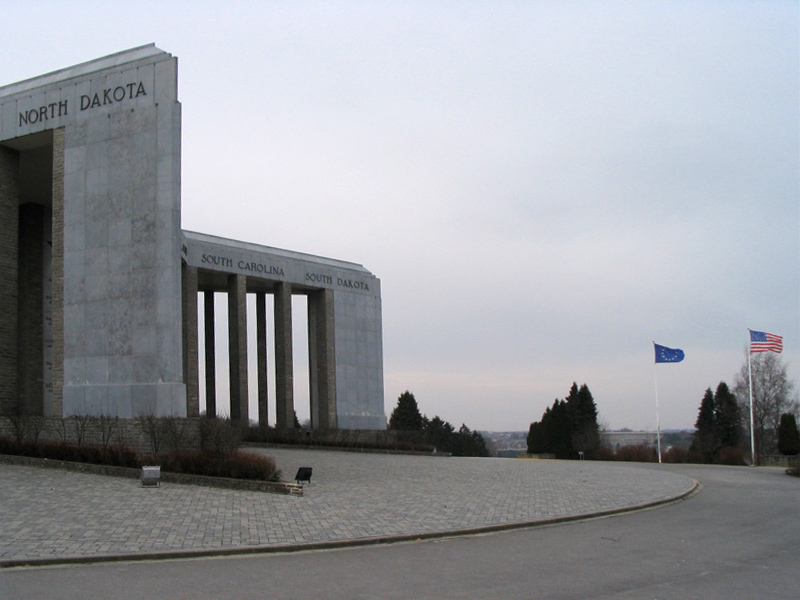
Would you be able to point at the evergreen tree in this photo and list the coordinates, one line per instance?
(545, 429)
(788, 435)
(536, 439)
(464, 442)
(439, 433)
(436, 431)
(406, 415)
(568, 427)
(727, 420)
(468, 443)
(478, 446)
(705, 439)
(558, 430)
(583, 420)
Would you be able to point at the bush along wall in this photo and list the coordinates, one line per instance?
(199, 446)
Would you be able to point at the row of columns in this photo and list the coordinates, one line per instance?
(321, 352)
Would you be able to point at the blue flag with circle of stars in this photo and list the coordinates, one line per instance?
(668, 355)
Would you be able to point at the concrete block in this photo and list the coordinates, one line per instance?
(75, 371)
(76, 135)
(120, 370)
(144, 400)
(74, 400)
(145, 367)
(75, 160)
(97, 369)
(144, 340)
(75, 189)
(96, 341)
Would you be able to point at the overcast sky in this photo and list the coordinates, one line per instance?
(543, 188)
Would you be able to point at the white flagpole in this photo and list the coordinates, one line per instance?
(658, 422)
(752, 422)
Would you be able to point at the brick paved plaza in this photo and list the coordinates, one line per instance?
(51, 515)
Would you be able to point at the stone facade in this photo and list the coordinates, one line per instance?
(100, 313)
(344, 324)
(121, 286)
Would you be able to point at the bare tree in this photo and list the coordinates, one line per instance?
(20, 426)
(772, 396)
(153, 431)
(175, 431)
(38, 424)
(60, 427)
(80, 422)
(108, 425)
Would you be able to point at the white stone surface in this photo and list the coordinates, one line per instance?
(122, 238)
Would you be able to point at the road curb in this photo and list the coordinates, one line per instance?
(337, 544)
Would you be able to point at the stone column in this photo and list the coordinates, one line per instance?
(322, 359)
(261, 334)
(9, 257)
(237, 347)
(190, 357)
(57, 276)
(284, 369)
(211, 360)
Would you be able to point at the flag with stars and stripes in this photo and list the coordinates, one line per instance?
(760, 341)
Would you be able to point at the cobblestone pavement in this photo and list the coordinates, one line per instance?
(49, 515)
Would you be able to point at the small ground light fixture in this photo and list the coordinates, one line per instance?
(151, 476)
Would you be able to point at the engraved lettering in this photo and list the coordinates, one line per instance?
(220, 261)
(113, 95)
(255, 267)
(319, 278)
(349, 283)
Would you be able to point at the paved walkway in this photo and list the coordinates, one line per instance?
(58, 516)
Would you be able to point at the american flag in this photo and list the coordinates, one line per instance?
(761, 341)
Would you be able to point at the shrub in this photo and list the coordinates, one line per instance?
(305, 437)
(240, 465)
(676, 455)
(637, 453)
(682, 455)
(730, 456)
(112, 456)
(788, 435)
(220, 436)
(604, 453)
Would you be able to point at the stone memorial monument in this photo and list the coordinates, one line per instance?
(103, 293)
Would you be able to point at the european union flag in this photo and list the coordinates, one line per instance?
(668, 355)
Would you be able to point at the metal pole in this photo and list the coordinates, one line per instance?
(752, 422)
(658, 422)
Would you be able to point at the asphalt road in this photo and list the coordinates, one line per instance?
(737, 538)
